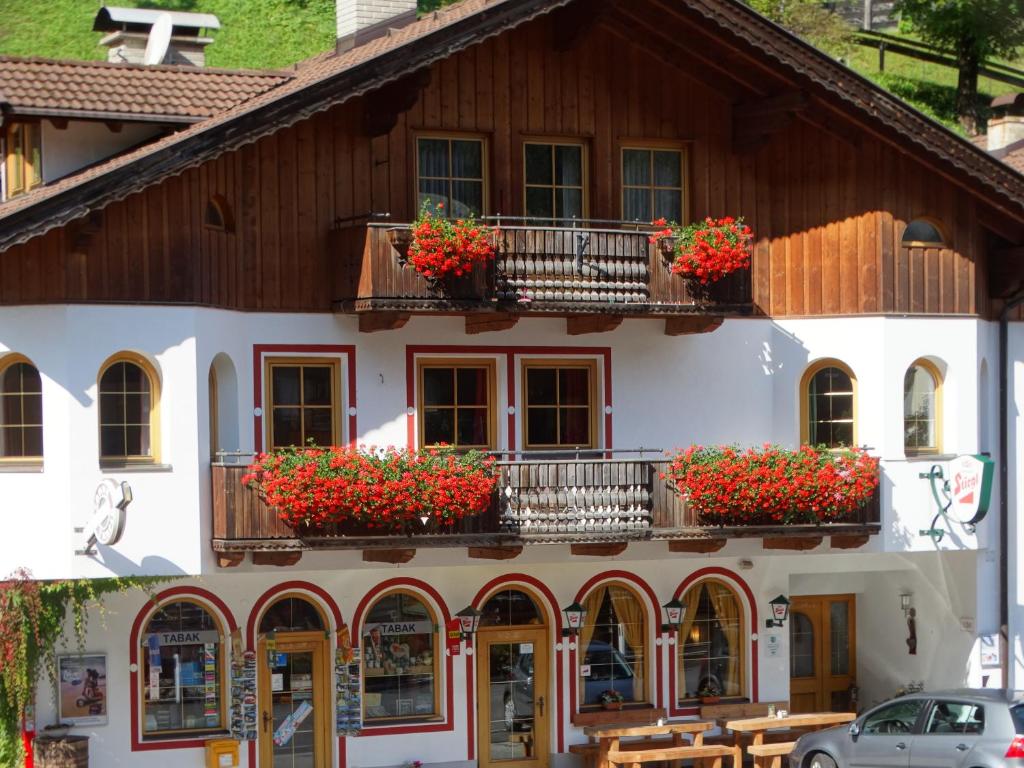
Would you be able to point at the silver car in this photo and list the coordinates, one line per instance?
(947, 729)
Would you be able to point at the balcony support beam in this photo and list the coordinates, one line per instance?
(687, 324)
(393, 556)
(280, 558)
(495, 553)
(581, 324)
(371, 322)
(486, 322)
(849, 541)
(798, 543)
(606, 549)
(229, 559)
(701, 546)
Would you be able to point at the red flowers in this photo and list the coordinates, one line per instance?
(442, 247)
(392, 490)
(708, 250)
(772, 485)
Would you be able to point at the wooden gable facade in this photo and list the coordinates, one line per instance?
(828, 197)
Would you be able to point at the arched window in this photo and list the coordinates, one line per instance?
(922, 390)
(400, 660)
(612, 644)
(218, 215)
(292, 614)
(923, 233)
(510, 608)
(711, 654)
(828, 405)
(21, 410)
(129, 394)
(183, 671)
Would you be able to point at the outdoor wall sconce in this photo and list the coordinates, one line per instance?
(905, 598)
(674, 611)
(779, 612)
(469, 621)
(573, 619)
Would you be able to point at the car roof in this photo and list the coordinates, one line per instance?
(1005, 695)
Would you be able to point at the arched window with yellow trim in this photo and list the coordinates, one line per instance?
(922, 397)
(183, 671)
(613, 645)
(711, 648)
(129, 396)
(401, 679)
(21, 410)
(828, 405)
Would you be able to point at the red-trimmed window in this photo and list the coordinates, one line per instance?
(613, 646)
(711, 653)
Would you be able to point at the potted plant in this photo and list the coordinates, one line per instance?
(705, 251)
(710, 692)
(440, 248)
(611, 699)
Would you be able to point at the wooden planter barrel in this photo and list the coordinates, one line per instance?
(64, 752)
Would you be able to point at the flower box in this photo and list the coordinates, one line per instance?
(707, 250)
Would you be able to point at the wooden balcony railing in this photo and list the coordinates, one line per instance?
(584, 266)
(576, 501)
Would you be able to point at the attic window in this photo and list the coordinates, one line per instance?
(218, 215)
(923, 232)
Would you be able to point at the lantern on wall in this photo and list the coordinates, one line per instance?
(674, 611)
(469, 621)
(779, 612)
(574, 615)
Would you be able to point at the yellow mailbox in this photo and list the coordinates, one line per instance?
(222, 753)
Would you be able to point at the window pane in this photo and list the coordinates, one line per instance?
(575, 426)
(667, 169)
(432, 192)
(467, 199)
(668, 205)
(801, 645)
(541, 386)
(615, 653)
(291, 613)
(467, 160)
(10, 409)
(922, 231)
(568, 204)
(569, 166)
(136, 440)
(33, 445)
(574, 386)
(136, 409)
(112, 408)
(316, 385)
(287, 427)
(317, 426)
(11, 441)
(30, 379)
(472, 386)
(32, 409)
(285, 389)
(472, 426)
(398, 657)
(439, 426)
(135, 379)
(509, 608)
(839, 618)
(712, 642)
(539, 203)
(11, 381)
(438, 386)
(636, 167)
(538, 164)
(919, 414)
(636, 205)
(542, 426)
(830, 407)
(112, 441)
(433, 157)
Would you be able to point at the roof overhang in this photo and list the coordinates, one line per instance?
(105, 116)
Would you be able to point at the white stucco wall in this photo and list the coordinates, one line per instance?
(84, 142)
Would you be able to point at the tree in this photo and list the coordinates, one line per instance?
(810, 20)
(974, 30)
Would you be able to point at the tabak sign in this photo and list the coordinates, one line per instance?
(970, 488)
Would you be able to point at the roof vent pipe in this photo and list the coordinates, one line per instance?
(360, 21)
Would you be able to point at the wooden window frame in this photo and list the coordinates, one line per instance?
(558, 141)
(805, 382)
(451, 136)
(6, 361)
(933, 371)
(943, 243)
(492, 393)
(437, 715)
(645, 702)
(154, 411)
(32, 177)
(652, 146)
(269, 362)
(744, 636)
(594, 407)
(222, 674)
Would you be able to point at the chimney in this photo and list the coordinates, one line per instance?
(129, 30)
(360, 21)
(1006, 126)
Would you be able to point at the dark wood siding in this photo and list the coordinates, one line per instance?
(828, 211)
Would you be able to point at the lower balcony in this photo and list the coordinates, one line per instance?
(597, 505)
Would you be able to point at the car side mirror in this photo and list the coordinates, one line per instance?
(854, 729)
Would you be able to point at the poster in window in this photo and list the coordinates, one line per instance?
(82, 698)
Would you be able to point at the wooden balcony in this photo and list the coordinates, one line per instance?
(590, 268)
(597, 505)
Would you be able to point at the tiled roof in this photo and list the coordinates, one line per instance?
(96, 88)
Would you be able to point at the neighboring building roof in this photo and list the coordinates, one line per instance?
(328, 80)
(109, 18)
(96, 89)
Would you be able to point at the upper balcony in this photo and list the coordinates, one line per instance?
(597, 504)
(594, 272)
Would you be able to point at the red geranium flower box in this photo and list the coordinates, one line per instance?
(707, 250)
(440, 247)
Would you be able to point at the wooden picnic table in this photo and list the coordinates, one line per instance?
(607, 736)
(758, 726)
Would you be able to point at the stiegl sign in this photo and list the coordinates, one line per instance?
(971, 481)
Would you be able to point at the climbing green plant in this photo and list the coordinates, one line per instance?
(33, 619)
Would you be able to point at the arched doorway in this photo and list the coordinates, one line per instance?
(294, 694)
(513, 674)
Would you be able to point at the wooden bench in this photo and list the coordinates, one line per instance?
(702, 756)
(770, 755)
(589, 752)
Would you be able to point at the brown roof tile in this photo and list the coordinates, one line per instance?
(95, 88)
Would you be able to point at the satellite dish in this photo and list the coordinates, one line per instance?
(159, 39)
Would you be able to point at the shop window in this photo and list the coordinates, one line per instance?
(922, 232)
(292, 614)
(129, 399)
(652, 184)
(711, 650)
(457, 403)
(400, 661)
(560, 404)
(22, 157)
(828, 405)
(21, 411)
(613, 642)
(183, 671)
(510, 608)
(304, 400)
(555, 181)
(921, 408)
(451, 171)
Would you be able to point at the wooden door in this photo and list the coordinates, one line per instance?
(293, 689)
(822, 653)
(513, 701)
